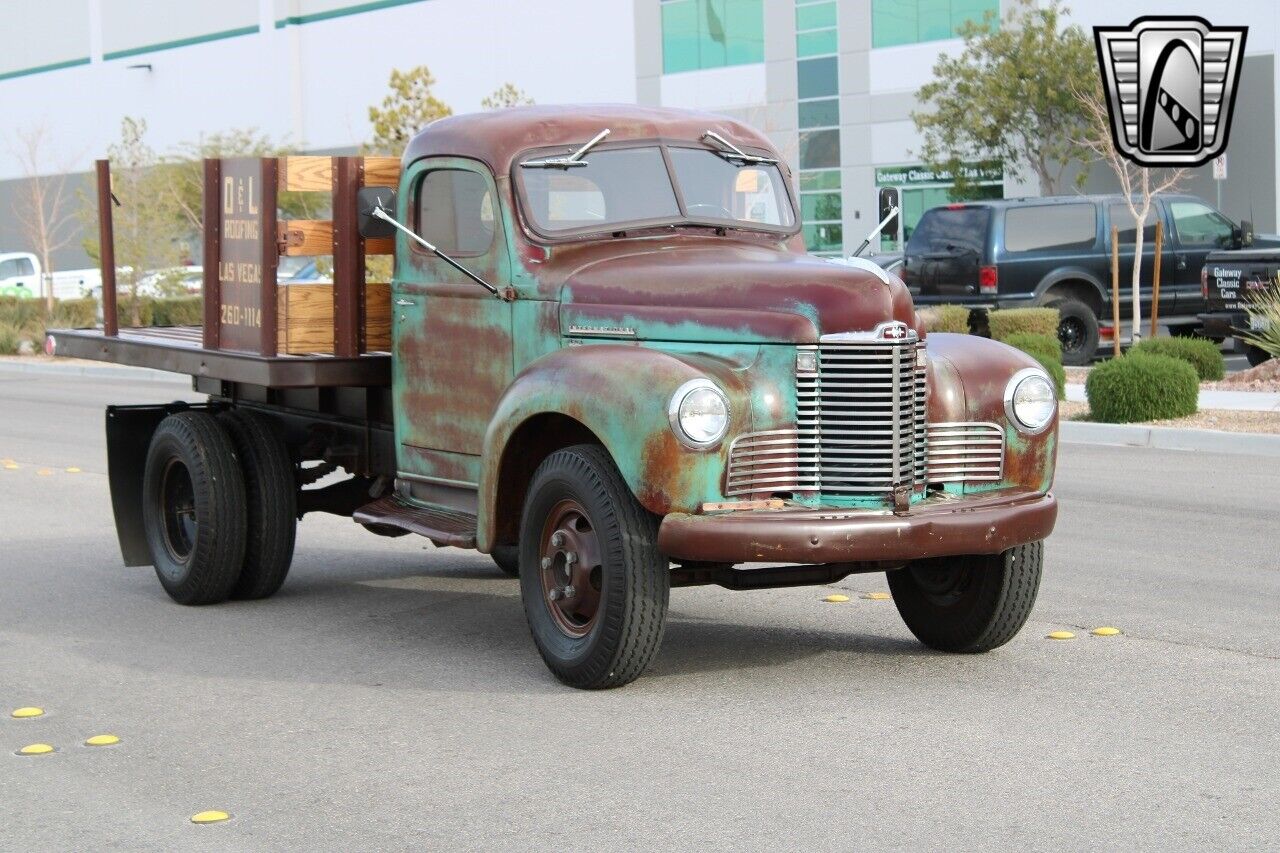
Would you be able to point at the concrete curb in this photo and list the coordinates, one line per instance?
(1170, 438)
(103, 371)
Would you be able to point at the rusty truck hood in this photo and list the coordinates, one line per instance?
(716, 289)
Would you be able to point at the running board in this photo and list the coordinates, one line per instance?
(441, 526)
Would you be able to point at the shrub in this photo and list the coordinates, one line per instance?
(178, 311)
(1201, 354)
(1142, 387)
(1037, 345)
(1032, 321)
(1264, 309)
(20, 312)
(124, 312)
(10, 336)
(1056, 372)
(75, 313)
(946, 318)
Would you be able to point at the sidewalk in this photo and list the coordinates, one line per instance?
(1241, 401)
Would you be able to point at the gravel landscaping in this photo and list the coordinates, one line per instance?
(1218, 419)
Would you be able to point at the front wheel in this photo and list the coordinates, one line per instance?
(969, 604)
(1077, 331)
(595, 587)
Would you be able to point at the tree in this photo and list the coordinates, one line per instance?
(42, 206)
(1009, 95)
(1138, 184)
(408, 108)
(148, 225)
(508, 95)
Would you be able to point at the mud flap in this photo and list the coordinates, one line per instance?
(129, 431)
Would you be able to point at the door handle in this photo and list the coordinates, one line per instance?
(405, 303)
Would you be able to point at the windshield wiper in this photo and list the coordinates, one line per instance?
(568, 162)
(733, 153)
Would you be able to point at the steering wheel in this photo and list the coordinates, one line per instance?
(711, 211)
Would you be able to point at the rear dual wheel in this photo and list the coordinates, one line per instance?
(219, 507)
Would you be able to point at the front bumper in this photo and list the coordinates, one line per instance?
(942, 526)
(1223, 324)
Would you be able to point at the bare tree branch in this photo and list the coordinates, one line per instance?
(45, 219)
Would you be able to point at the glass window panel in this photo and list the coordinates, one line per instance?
(819, 113)
(817, 78)
(893, 22)
(827, 180)
(743, 22)
(963, 11)
(933, 20)
(823, 238)
(819, 207)
(679, 36)
(1050, 227)
(618, 185)
(816, 43)
(715, 188)
(1122, 218)
(815, 16)
(819, 149)
(1200, 225)
(455, 211)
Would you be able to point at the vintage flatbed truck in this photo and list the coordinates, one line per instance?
(605, 359)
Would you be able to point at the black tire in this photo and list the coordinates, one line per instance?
(1256, 355)
(1077, 331)
(271, 503)
(193, 508)
(507, 558)
(634, 580)
(969, 604)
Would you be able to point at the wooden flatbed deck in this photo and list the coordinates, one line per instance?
(180, 349)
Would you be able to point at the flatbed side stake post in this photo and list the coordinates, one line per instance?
(270, 257)
(212, 253)
(107, 251)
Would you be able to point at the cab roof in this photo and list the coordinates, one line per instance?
(497, 137)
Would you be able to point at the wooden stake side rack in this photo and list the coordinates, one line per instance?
(255, 329)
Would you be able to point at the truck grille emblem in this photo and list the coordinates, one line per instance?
(1170, 84)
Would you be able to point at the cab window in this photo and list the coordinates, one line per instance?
(455, 212)
(1200, 225)
(1050, 227)
(1126, 232)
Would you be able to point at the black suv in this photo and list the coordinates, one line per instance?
(1056, 251)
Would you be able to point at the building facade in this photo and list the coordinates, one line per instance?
(832, 82)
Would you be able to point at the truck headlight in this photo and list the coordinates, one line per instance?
(699, 414)
(1030, 400)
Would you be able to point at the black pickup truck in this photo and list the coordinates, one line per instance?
(1227, 281)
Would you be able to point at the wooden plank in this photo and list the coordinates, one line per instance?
(305, 318)
(306, 174)
(315, 237)
(212, 253)
(382, 172)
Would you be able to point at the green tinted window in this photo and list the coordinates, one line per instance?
(895, 22)
(817, 78)
(828, 180)
(700, 34)
(816, 43)
(819, 113)
(823, 238)
(815, 16)
(817, 207)
(819, 149)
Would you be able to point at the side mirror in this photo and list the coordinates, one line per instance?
(1246, 233)
(887, 202)
(369, 199)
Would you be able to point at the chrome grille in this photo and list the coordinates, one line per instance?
(965, 452)
(766, 461)
(861, 417)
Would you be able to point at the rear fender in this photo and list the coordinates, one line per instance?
(620, 393)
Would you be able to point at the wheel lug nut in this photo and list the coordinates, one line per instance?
(556, 594)
(546, 562)
(570, 557)
(557, 538)
(570, 591)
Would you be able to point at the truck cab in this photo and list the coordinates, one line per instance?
(615, 369)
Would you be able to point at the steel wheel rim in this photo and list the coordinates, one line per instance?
(1071, 333)
(942, 587)
(178, 509)
(570, 569)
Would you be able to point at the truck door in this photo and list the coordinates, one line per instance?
(452, 338)
(1122, 219)
(1198, 229)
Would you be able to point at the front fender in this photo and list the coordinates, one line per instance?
(968, 378)
(619, 392)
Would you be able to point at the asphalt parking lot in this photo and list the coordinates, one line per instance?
(390, 697)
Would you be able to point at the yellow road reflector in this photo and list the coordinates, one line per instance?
(23, 713)
(836, 599)
(877, 596)
(12, 466)
(210, 817)
(45, 472)
(102, 740)
(1105, 631)
(36, 749)
(73, 470)
(1061, 635)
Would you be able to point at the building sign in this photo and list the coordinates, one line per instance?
(240, 262)
(905, 176)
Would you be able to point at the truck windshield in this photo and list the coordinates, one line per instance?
(629, 187)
